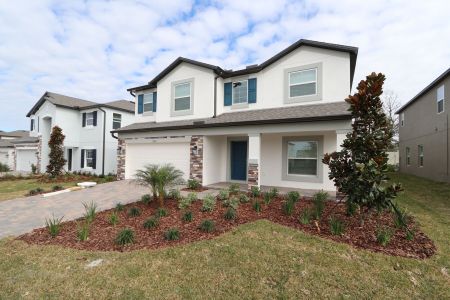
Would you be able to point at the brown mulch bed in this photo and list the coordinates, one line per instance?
(102, 234)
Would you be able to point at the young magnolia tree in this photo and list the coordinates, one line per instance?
(359, 170)
(56, 156)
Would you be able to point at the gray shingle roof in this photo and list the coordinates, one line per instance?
(15, 133)
(76, 103)
(291, 114)
(25, 140)
(6, 143)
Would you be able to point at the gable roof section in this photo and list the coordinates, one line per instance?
(291, 114)
(77, 104)
(425, 90)
(353, 51)
(16, 133)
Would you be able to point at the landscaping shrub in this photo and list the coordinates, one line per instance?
(4, 168)
(186, 202)
(243, 198)
(146, 199)
(401, 218)
(293, 196)
(161, 212)
(255, 191)
(223, 195)
(232, 202)
(134, 211)
(125, 236)
(34, 169)
(230, 214)
(257, 206)
(113, 218)
(174, 194)
(53, 225)
(56, 188)
(234, 188)
(151, 222)
(35, 191)
(193, 184)
(119, 206)
(208, 203)
(409, 235)
(172, 234)
(351, 208)
(273, 193)
(56, 156)
(267, 198)
(336, 226)
(319, 199)
(288, 207)
(384, 235)
(305, 216)
(188, 216)
(90, 211)
(83, 231)
(207, 226)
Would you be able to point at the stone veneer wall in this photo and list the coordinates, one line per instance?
(38, 154)
(253, 175)
(121, 150)
(196, 158)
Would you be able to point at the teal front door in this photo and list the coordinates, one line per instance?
(238, 160)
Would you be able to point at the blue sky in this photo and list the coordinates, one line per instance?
(95, 50)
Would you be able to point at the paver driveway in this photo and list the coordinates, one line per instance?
(22, 215)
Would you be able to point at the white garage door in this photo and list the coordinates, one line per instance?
(25, 158)
(4, 158)
(139, 155)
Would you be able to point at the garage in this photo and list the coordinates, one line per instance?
(140, 154)
(25, 158)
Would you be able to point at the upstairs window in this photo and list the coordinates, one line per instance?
(302, 83)
(117, 121)
(148, 102)
(32, 125)
(402, 119)
(182, 97)
(408, 156)
(90, 119)
(240, 92)
(420, 155)
(440, 99)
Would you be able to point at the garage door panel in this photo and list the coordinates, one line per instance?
(25, 158)
(139, 155)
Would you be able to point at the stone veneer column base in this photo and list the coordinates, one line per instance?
(196, 158)
(253, 175)
(121, 150)
(39, 155)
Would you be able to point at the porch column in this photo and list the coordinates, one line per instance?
(254, 160)
(196, 158)
(121, 151)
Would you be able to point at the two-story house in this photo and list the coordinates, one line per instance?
(266, 125)
(424, 132)
(88, 145)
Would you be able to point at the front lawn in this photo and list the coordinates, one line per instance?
(255, 260)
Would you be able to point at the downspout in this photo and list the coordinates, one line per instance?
(131, 92)
(215, 96)
(115, 137)
(104, 132)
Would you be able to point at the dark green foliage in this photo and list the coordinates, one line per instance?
(188, 216)
(273, 192)
(207, 226)
(359, 170)
(234, 188)
(208, 203)
(319, 199)
(56, 155)
(288, 207)
(267, 198)
(186, 202)
(336, 226)
(232, 202)
(243, 198)
(57, 188)
(34, 169)
(230, 214)
(223, 195)
(113, 218)
(305, 216)
(146, 199)
(409, 235)
(151, 222)
(293, 196)
(161, 212)
(125, 236)
(4, 168)
(193, 184)
(119, 206)
(174, 194)
(352, 208)
(257, 206)
(255, 191)
(90, 211)
(35, 191)
(401, 218)
(53, 225)
(384, 235)
(134, 211)
(83, 231)
(172, 234)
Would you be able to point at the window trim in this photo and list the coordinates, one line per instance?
(420, 155)
(306, 98)
(115, 121)
(148, 112)
(307, 82)
(408, 156)
(298, 177)
(86, 150)
(87, 118)
(232, 93)
(185, 112)
(439, 100)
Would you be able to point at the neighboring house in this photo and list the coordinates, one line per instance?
(267, 124)
(88, 145)
(424, 131)
(7, 146)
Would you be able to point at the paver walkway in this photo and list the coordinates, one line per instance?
(22, 215)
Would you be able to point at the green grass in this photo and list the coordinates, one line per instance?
(255, 260)
(11, 189)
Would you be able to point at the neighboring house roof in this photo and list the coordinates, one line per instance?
(78, 104)
(425, 90)
(25, 140)
(15, 133)
(291, 114)
(6, 144)
(255, 68)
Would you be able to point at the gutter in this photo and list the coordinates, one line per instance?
(104, 138)
(215, 96)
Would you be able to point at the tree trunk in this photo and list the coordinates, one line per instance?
(161, 200)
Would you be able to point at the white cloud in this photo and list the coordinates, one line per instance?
(97, 49)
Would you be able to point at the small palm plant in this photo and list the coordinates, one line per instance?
(149, 176)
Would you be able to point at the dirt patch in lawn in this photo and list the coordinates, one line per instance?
(102, 235)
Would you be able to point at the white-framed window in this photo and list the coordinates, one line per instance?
(90, 119)
(148, 102)
(240, 92)
(302, 83)
(89, 157)
(408, 156)
(302, 158)
(182, 96)
(117, 121)
(420, 155)
(440, 99)
(402, 119)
